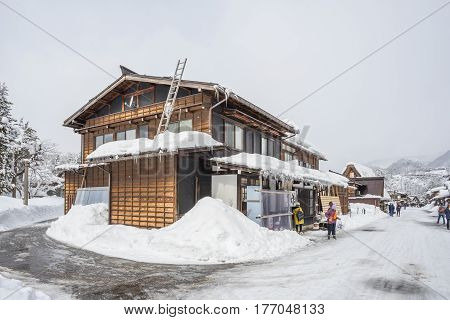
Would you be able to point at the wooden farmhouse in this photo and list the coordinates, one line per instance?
(366, 186)
(217, 144)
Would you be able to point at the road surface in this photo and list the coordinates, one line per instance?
(405, 257)
(390, 258)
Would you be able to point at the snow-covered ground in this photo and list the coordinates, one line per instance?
(13, 214)
(375, 256)
(210, 233)
(361, 214)
(406, 257)
(11, 289)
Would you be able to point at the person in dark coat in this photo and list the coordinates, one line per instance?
(391, 209)
(399, 207)
(447, 215)
(441, 214)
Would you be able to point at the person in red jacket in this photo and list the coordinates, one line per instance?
(331, 216)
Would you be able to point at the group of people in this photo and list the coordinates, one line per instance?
(393, 208)
(444, 213)
(330, 215)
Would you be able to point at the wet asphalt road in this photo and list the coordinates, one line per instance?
(86, 275)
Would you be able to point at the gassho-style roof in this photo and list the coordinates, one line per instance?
(129, 77)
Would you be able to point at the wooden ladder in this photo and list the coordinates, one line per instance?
(171, 97)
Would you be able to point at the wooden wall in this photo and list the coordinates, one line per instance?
(194, 108)
(143, 192)
(72, 181)
(343, 197)
(95, 177)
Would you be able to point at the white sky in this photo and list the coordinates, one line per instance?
(393, 105)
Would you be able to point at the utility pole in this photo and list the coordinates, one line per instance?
(26, 162)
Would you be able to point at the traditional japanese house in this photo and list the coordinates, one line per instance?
(151, 180)
(367, 188)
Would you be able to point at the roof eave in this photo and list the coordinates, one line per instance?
(209, 86)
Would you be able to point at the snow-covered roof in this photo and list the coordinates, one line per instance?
(436, 189)
(368, 196)
(283, 169)
(443, 194)
(76, 166)
(299, 141)
(363, 170)
(165, 142)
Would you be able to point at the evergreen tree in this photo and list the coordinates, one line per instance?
(6, 139)
(25, 145)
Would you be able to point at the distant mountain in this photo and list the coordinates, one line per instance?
(386, 162)
(442, 161)
(413, 176)
(405, 166)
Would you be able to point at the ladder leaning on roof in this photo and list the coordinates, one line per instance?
(171, 97)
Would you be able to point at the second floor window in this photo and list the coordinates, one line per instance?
(130, 102)
(143, 131)
(126, 135)
(180, 126)
(239, 138)
(102, 139)
(264, 146)
(288, 156)
(234, 136)
(229, 134)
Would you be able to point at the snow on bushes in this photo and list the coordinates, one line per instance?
(209, 233)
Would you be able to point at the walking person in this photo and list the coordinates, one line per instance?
(331, 216)
(447, 215)
(391, 209)
(399, 207)
(299, 217)
(441, 214)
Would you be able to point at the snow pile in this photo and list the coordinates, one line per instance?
(13, 214)
(363, 170)
(209, 233)
(431, 208)
(442, 194)
(283, 169)
(164, 142)
(358, 218)
(11, 289)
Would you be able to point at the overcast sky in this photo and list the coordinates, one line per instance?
(395, 104)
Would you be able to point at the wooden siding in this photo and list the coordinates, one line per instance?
(72, 181)
(143, 192)
(133, 119)
(95, 177)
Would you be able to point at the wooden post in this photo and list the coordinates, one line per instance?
(26, 162)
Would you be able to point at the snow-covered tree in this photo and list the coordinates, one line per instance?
(26, 145)
(44, 179)
(6, 138)
(19, 142)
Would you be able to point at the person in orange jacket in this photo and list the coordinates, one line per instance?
(332, 217)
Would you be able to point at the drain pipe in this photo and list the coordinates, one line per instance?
(227, 93)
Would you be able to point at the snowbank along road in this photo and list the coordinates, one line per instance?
(389, 258)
